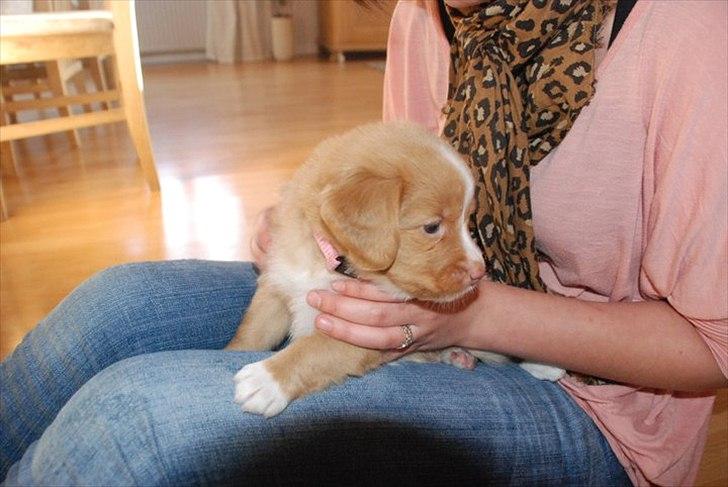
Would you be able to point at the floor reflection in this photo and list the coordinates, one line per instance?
(204, 215)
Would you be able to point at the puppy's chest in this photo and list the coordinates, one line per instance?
(294, 279)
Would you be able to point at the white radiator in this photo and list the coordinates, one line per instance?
(171, 29)
(174, 31)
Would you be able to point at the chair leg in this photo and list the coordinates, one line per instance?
(136, 120)
(3, 205)
(58, 87)
(129, 80)
(8, 161)
(7, 153)
(12, 116)
(79, 82)
(98, 75)
(7, 164)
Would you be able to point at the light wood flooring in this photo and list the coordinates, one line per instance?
(225, 139)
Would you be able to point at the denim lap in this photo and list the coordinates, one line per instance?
(121, 312)
(144, 416)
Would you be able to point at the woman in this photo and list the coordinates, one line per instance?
(630, 210)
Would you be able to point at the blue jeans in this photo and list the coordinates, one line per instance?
(124, 384)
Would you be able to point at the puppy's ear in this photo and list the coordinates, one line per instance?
(362, 214)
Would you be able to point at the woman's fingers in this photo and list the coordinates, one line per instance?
(357, 288)
(257, 253)
(374, 337)
(261, 241)
(361, 314)
(360, 311)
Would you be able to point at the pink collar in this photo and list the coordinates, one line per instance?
(334, 260)
(330, 253)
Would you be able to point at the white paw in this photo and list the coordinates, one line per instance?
(258, 392)
(543, 372)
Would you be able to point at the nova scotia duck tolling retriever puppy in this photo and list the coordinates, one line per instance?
(385, 202)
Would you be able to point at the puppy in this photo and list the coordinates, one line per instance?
(388, 203)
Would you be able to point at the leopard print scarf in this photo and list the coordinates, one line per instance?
(521, 71)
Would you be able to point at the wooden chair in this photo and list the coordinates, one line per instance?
(75, 70)
(40, 78)
(73, 35)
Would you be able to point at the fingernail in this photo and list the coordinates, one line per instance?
(338, 286)
(323, 323)
(313, 299)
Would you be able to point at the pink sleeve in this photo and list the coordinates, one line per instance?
(418, 59)
(685, 258)
(418, 62)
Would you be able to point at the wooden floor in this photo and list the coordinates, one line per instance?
(225, 139)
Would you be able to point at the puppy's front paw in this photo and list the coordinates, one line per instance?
(543, 372)
(258, 392)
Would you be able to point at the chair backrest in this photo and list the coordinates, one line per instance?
(125, 36)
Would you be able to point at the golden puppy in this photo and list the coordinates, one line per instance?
(392, 203)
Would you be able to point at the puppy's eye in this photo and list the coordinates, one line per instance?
(432, 228)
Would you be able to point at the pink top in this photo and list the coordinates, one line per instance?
(631, 206)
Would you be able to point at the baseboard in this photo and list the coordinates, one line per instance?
(173, 57)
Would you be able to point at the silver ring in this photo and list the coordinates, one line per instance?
(408, 337)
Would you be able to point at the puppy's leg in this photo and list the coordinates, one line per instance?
(456, 356)
(266, 321)
(309, 364)
(543, 372)
(492, 357)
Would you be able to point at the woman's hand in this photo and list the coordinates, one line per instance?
(360, 314)
(644, 343)
(261, 240)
